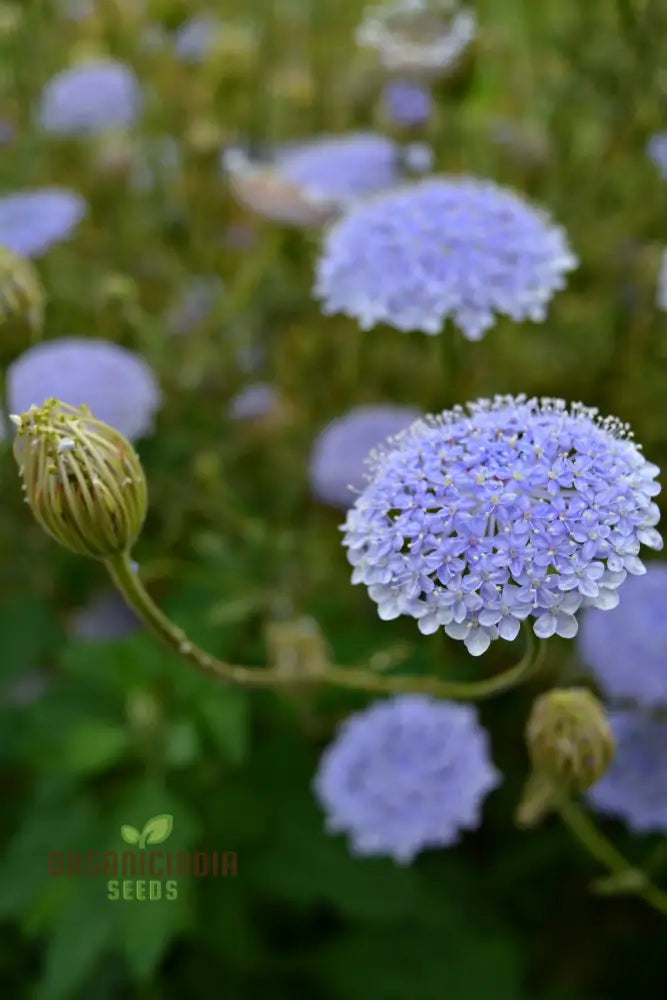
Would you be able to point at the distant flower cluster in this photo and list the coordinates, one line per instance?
(661, 291)
(255, 401)
(407, 103)
(627, 648)
(656, 149)
(117, 385)
(338, 467)
(195, 38)
(511, 509)
(309, 182)
(418, 36)
(635, 787)
(195, 304)
(405, 775)
(90, 98)
(443, 248)
(33, 221)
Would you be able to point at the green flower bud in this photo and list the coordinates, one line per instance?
(82, 479)
(21, 300)
(297, 647)
(569, 739)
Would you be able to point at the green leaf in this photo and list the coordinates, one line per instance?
(406, 960)
(130, 834)
(226, 719)
(88, 747)
(157, 829)
(145, 928)
(28, 630)
(82, 934)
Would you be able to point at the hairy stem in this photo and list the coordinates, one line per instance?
(128, 583)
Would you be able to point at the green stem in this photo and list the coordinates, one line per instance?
(128, 583)
(587, 833)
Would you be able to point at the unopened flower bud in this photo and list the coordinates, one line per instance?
(82, 478)
(569, 739)
(21, 296)
(297, 647)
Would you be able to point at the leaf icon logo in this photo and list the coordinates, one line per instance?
(130, 835)
(155, 831)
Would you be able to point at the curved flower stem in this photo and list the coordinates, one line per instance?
(128, 583)
(587, 833)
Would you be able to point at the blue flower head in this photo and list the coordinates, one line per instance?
(407, 103)
(338, 461)
(308, 182)
(656, 150)
(32, 221)
(506, 510)
(627, 649)
(195, 38)
(635, 787)
(90, 98)
(443, 248)
(661, 290)
(117, 385)
(405, 775)
(254, 401)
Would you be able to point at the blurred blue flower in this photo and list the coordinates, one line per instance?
(405, 775)
(656, 150)
(338, 462)
(104, 618)
(443, 248)
(32, 221)
(661, 290)
(7, 131)
(196, 302)
(307, 182)
(513, 508)
(90, 98)
(254, 401)
(627, 649)
(117, 385)
(195, 37)
(341, 168)
(635, 787)
(407, 103)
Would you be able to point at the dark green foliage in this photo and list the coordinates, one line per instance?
(102, 735)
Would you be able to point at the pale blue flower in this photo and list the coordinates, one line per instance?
(508, 510)
(656, 150)
(661, 290)
(117, 385)
(254, 401)
(338, 462)
(33, 221)
(627, 648)
(90, 98)
(310, 181)
(443, 248)
(407, 102)
(195, 38)
(635, 787)
(405, 775)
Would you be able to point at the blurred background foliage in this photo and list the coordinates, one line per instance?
(98, 733)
